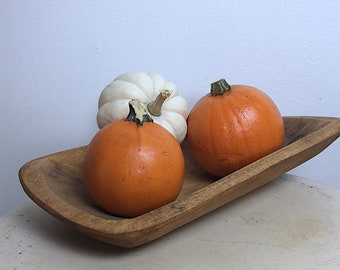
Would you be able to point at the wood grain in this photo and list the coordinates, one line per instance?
(54, 182)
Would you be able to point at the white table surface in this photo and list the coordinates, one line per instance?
(290, 223)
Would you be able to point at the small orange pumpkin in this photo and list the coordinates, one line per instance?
(233, 126)
(133, 165)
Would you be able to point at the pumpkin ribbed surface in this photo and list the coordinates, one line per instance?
(130, 169)
(229, 131)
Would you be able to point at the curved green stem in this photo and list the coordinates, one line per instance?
(219, 87)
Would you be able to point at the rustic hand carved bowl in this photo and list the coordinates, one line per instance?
(55, 183)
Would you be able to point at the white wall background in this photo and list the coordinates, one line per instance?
(56, 57)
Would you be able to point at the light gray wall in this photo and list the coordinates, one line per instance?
(57, 56)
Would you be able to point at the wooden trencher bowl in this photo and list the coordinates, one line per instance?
(55, 183)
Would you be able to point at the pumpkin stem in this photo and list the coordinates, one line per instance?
(155, 106)
(138, 113)
(219, 87)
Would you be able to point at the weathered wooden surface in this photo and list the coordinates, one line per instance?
(54, 182)
(290, 223)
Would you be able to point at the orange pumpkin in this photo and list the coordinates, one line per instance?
(233, 126)
(133, 165)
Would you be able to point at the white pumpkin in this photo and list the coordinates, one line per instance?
(168, 110)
